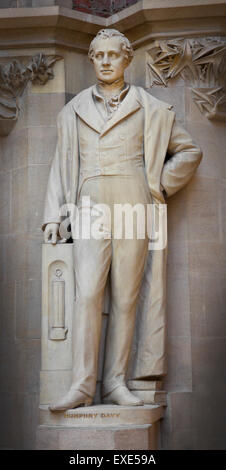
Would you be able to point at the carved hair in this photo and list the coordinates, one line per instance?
(111, 33)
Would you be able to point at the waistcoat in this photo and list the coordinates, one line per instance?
(119, 151)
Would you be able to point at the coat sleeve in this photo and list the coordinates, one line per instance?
(185, 157)
(54, 193)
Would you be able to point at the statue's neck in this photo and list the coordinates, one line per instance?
(108, 90)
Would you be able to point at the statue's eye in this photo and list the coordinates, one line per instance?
(99, 56)
(113, 55)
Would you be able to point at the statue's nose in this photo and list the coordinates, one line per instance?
(106, 59)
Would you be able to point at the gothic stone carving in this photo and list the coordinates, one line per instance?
(14, 78)
(200, 62)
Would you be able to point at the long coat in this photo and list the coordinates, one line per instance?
(162, 136)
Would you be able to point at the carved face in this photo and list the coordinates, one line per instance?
(109, 59)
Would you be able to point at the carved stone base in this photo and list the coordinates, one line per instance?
(150, 391)
(100, 427)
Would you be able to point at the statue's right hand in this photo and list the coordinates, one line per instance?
(50, 233)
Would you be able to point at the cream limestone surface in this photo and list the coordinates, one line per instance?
(88, 133)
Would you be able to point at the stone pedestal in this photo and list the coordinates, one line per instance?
(100, 427)
(85, 428)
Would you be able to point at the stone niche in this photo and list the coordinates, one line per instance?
(179, 58)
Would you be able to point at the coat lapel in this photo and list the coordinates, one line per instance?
(87, 111)
(129, 105)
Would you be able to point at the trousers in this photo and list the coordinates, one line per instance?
(124, 261)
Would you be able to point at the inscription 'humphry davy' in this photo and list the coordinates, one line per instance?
(91, 415)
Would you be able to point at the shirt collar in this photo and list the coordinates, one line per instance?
(121, 95)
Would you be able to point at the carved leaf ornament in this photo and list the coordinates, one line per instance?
(201, 62)
(14, 78)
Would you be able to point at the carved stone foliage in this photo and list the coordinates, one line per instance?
(200, 62)
(14, 78)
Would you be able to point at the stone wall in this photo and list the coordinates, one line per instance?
(34, 3)
(195, 282)
(98, 7)
(102, 7)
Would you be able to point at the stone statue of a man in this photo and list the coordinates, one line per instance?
(112, 142)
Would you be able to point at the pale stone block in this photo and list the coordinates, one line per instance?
(207, 302)
(32, 364)
(12, 411)
(211, 138)
(102, 415)
(55, 85)
(41, 145)
(178, 306)
(25, 369)
(16, 267)
(177, 259)
(30, 421)
(99, 438)
(13, 357)
(37, 183)
(133, 439)
(6, 421)
(35, 3)
(28, 309)
(47, 438)
(23, 256)
(3, 242)
(135, 72)
(210, 417)
(43, 108)
(79, 72)
(20, 200)
(174, 96)
(206, 258)
(8, 4)
(64, 3)
(14, 150)
(182, 440)
(180, 404)
(179, 376)
(209, 356)
(28, 198)
(5, 185)
(203, 215)
(7, 319)
(86, 439)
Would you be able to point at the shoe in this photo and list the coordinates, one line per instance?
(122, 396)
(72, 399)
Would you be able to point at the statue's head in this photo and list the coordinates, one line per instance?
(110, 52)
